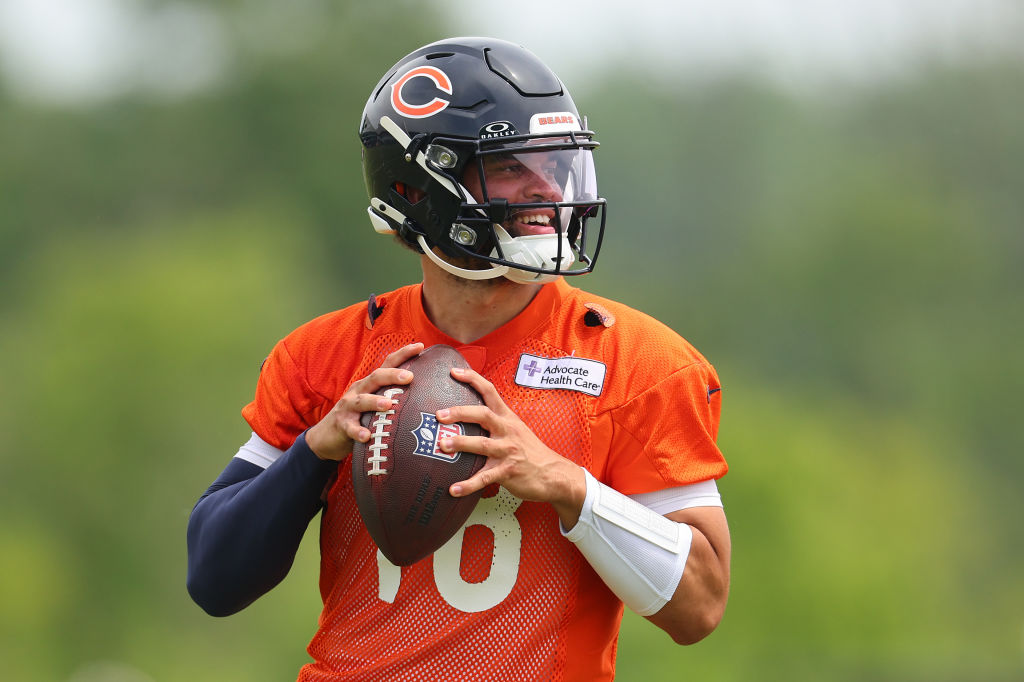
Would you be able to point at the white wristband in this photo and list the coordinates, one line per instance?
(638, 553)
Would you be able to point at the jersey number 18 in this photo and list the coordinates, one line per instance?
(497, 514)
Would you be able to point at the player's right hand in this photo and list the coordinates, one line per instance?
(333, 436)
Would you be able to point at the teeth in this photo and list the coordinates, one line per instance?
(535, 219)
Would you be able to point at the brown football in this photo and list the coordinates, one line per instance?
(400, 476)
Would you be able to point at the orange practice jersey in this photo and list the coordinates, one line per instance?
(508, 598)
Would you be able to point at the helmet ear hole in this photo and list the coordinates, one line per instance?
(413, 195)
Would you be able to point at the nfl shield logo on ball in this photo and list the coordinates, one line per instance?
(429, 434)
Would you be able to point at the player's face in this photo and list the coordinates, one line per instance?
(520, 179)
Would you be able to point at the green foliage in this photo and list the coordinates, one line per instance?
(130, 359)
(850, 264)
(867, 256)
(849, 560)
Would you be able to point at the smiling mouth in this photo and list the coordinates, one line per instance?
(524, 224)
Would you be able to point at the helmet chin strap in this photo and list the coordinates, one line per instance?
(495, 271)
(535, 250)
(530, 250)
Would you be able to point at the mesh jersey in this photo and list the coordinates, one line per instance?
(508, 598)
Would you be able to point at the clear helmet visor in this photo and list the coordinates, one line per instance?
(542, 184)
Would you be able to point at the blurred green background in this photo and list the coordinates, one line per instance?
(847, 253)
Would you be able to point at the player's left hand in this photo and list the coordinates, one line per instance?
(516, 458)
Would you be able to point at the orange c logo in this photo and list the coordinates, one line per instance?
(441, 81)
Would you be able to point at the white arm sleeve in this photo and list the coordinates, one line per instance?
(638, 553)
(259, 452)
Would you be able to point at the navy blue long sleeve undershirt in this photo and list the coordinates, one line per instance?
(245, 530)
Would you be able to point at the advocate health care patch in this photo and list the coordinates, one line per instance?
(571, 373)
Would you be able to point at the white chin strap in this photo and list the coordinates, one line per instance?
(494, 271)
(537, 251)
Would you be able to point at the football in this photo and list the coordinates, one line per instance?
(400, 476)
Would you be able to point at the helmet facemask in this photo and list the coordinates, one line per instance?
(526, 201)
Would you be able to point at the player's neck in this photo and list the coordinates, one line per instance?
(467, 310)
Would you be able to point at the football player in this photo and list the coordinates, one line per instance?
(600, 485)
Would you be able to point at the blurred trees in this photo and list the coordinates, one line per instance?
(848, 260)
(851, 263)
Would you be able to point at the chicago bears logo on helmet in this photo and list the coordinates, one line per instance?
(429, 434)
(412, 110)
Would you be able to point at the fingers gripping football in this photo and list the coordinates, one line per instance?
(333, 436)
(516, 458)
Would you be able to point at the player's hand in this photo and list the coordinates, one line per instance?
(333, 436)
(516, 458)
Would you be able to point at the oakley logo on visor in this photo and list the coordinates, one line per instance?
(412, 110)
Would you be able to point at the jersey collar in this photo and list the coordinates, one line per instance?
(532, 319)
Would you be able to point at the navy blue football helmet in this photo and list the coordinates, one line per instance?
(473, 147)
